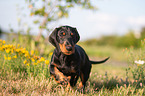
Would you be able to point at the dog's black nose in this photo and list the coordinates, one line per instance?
(69, 48)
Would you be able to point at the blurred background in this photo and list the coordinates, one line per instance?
(106, 27)
(114, 28)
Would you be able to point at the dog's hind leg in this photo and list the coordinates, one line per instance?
(84, 75)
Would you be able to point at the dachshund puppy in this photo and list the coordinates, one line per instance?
(69, 61)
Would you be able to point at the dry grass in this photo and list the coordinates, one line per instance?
(99, 83)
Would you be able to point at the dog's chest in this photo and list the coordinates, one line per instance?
(68, 69)
(68, 65)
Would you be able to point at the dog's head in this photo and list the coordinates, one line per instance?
(64, 39)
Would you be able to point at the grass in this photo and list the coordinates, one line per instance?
(94, 51)
(97, 85)
(18, 77)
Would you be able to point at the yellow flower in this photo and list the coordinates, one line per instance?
(9, 58)
(12, 51)
(33, 59)
(25, 62)
(23, 50)
(28, 64)
(42, 59)
(18, 45)
(6, 46)
(32, 52)
(17, 50)
(5, 57)
(4, 41)
(50, 53)
(7, 50)
(15, 56)
(47, 62)
(14, 47)
(26, 54)
(38, 61)
(1, 49)
(35, 63)
(11, 46)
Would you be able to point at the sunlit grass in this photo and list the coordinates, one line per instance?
(94, 51)
(22, 72)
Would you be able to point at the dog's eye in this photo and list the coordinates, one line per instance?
(71, 34)
(63, 33)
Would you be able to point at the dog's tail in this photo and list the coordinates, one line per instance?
(98, 62)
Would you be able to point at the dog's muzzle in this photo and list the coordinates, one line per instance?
(69, 48)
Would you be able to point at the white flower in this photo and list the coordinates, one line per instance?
(139, 62)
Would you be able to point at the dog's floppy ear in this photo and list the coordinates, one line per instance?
(77, 36)
(53, 37)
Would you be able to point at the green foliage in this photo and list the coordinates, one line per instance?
(136, 69)
(143, 33)
(15, 59)
(126, 40)
(137, 60)
(52, 10)
(0, 31)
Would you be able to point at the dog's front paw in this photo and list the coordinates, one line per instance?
(63, 82)
(81, 86)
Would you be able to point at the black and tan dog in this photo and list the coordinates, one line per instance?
(69, 61)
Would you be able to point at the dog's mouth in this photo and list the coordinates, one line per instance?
(67, 50)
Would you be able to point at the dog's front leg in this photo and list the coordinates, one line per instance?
(58, 76)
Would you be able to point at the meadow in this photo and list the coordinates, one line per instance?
(25, 71)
